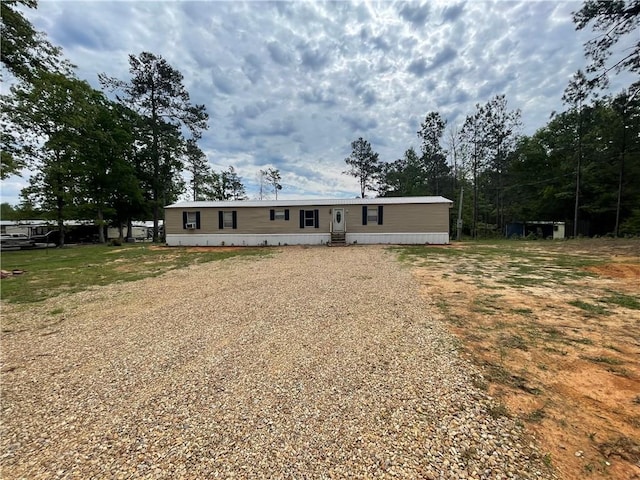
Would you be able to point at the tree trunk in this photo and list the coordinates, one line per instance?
(101, 236)
(577, 204)
(621, 173)
(155, 152)
(60, 205)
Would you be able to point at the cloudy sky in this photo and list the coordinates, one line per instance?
(290, 85)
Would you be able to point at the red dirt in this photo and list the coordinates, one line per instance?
(571, 375)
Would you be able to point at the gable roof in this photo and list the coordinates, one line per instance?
(310, 201)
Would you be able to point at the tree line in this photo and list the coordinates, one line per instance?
(582, 168)
(113, 160)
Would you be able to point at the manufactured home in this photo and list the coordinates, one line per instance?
(386, 220)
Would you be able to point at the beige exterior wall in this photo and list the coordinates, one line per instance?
(250, 220)
(427, 218)
(397, 218)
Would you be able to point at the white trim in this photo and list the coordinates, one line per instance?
(313, 202)
(253, 240)
(246, 239)
(417, 238)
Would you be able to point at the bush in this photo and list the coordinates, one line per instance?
(631, 226)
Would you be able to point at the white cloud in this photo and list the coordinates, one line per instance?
(292, 84)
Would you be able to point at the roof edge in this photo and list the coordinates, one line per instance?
(312, 201)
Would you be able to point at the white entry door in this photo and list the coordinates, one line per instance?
(338, 219)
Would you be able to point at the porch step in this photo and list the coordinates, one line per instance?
(338, 239)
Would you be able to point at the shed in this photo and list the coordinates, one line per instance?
(542, 229)
(385, 220)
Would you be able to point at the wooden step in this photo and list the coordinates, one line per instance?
(338, 240)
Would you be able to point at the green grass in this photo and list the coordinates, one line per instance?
(536, 416)
(521, 265)
(622, 300)
(497, 411)
(523, 311)
(590, 308)
(514, 341)
(604, 359)
(50, 272)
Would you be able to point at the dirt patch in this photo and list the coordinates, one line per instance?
(561, 350)
(618, 270)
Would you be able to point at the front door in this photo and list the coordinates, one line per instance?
(338, 220)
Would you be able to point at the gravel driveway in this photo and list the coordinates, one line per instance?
(311, 363)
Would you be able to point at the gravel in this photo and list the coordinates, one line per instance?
(310, 363)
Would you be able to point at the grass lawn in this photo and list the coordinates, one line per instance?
(50, 272)
(554, 328)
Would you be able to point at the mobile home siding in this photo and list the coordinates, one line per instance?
(250, 220)
(398, 221)
(402, 219)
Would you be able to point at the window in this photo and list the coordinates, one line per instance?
(372, 215)
(279, 214)
(191, 220)
(227, 219)
(309, 219)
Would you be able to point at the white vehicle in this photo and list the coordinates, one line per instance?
(15, 241)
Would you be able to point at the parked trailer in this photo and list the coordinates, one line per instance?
(16, 241)
(138, 232)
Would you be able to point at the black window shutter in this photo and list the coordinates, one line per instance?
(198, 220)
(286, 214)
(316, 216)
(364, 214)
(301, 218)
(220, 220)
(184, 220)
(272, 214)
(379, 214)
(234, 219)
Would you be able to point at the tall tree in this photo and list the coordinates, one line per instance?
(364, 165)
(55, 109)
(156, 92)
(262, 184)
(575, 96)
(232, 186)
(453, 150)
(201, 173)
(433, 155)
(107, 176)
(7, 212)
(404, 177)
(626, 106)
(501, 135)
(274, 178)
(270, 176)
(615, 21)
(24, 53)
(473, 139)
